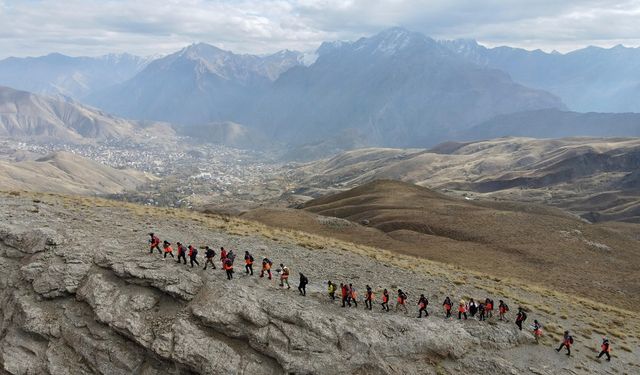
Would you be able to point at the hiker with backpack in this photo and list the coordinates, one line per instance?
(331, 289)
(473, 308)
(193, 256)
(567, 341)
(481, 312)
(228, 268)
(266, 267)
(248, 263)
(209, 255)
(223, 256)
(537, 330)
(520, 317)
(462, 310)
(385, 300)
(368, 299)
(402, 298)
(503, 308)
(605, 349)
(284, 276)
(423, 302)
(447, 307)
(344, 293)
(488, 308)
(154, 243)
(353, 295)
(167, 249)
(302, 287)
(182, 253)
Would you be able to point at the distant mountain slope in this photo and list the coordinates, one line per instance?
(23, 114)
(198, 84)
(591, 79)
(396, 88)
(552, 123)
(226, 133)
(63, 172)
(593, 177)
(75, 77)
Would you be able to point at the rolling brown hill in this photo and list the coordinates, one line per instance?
(63, 172)
(593, 177)
(541, 245)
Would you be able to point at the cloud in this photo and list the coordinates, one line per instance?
(91, 27)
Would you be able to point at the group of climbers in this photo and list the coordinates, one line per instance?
(349, 296)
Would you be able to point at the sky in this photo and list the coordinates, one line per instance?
(153, 27)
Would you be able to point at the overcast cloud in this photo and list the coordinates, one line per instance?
(146, 27)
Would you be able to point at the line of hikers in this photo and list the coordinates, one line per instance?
(349, 296)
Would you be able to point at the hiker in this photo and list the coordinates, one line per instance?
(223, 256)
(473, 307)
(520, 317)
(422, 306)
(447, 307)
(167, 249)
(385, 300)
(284, 276)
(266, 267)
(209, 254)
(481, 311)
(193, 256)
(248, 263)
(154, 243)
(181, 253)
(228, 267)
(231, 255)
(537, 330)
(344, 293)
(302, 287)
(353, 295)
(488, 308)
(567, 341)
(368, 299)
(331, 288)
(402, 298)
(503, 308)
(605, 349)
(462, 310)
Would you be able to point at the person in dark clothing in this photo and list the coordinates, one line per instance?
(481, 312)
(473, 308)
(447, 307)
(193, 256)
(167, 249)
(182, 253)
(520, 317)
(154, 243)
(302, 287)
(228, 268)
(401, 301)
(503, 308)
(209, 254)
(248, 263)
(368, 298)
(567, 341)
(422, 305)
(605, 349)
(385, 300)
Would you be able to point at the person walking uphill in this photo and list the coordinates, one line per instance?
(520, 317)
(567, 341)
(503, 308)
(302, 287)
(193, 256)
(537, 330)
(331, 289)
(605, 349)
(223, 256)
(228, 268)
(368, 299)
(209, 254)
(154, 243)
(182, 253)
(344, 293)
(385, 300)
(248, 263)
(447, 307)
(402, 298)
(353, 295)
(167, 249)
(423, 302)
(284, 276)
(462, 310)
(266, 267)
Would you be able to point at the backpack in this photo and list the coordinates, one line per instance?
(524, 316)
(195, 252)
(251, 257)
(269, 261)
(571, 339)
(506, 307)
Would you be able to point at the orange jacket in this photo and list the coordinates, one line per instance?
(168, 249)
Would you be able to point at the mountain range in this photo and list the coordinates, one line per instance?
(394, 89)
